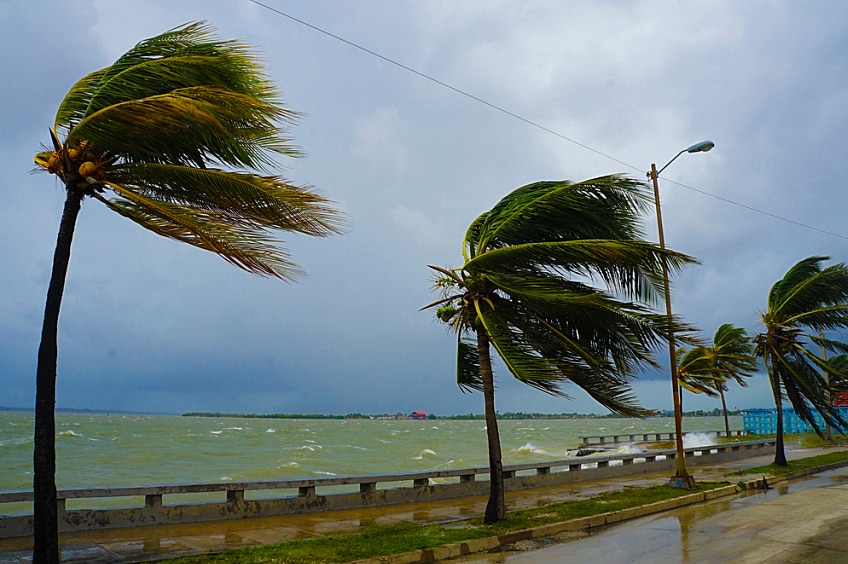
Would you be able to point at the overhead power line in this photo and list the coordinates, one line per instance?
(533, 123)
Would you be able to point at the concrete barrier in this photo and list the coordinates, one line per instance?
(165, 504)
(606, 440)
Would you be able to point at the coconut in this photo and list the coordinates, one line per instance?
(73, 154)
(87, 168)
(54, 164)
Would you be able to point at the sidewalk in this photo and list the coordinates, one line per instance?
(150, 544)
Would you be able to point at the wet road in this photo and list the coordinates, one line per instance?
(802, 521)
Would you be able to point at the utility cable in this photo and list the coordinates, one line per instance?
(533, 123)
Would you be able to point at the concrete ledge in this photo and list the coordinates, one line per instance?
(306, 496)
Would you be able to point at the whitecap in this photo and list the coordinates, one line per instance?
(270, 430)
(425, 453)
(225, 479)
(216, 432)
(324, 473)
(70, 434)
(530, 448)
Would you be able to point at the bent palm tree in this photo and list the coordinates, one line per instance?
(707, 369)
(808, 301)
(526, 289)
(151, 138)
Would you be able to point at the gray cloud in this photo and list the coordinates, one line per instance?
(150, 325)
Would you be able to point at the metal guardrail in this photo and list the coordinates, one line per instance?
(318, 494)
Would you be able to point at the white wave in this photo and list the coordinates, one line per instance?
(691, 440)
(19, 441)
(289, 465)
(425, 453)
(270, 430)
(225, 479)
(216, 432)
(311, 448)
(530, 448)
(234, 428)
(70, 433)
(322, 473)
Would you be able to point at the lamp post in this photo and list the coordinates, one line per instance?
(681, 478)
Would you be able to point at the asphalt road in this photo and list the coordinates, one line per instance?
(803, 521)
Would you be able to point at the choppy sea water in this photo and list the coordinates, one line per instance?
(112, 450)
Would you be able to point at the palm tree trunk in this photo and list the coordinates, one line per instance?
(724, 411)
(779, 452)
(496, 507)
(45, 512)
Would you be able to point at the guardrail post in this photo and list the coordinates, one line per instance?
(543, 471)
(603, 463)
(306, 491)
(507, 474)
(421, 483)
(368, 487)
(235, 497)
(154, 501)
(575, 467)
(466, 478)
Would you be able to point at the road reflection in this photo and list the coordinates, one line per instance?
(799, 521)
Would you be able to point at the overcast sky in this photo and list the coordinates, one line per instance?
(149, 324)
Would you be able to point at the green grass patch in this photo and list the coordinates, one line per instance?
(797, 440)
(796, 465)
(382, 540)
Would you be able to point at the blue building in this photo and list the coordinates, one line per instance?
(764, 421)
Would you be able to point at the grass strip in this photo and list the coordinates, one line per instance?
(796, 465)
(377, 540)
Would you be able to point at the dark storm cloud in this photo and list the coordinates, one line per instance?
(150, 325)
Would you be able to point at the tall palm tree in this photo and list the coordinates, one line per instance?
(708, 369)
(802, 306)
(179, 135)
(526, 289)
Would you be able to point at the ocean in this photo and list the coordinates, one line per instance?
(118, 450)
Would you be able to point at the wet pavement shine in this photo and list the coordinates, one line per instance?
(799, 521)
(802, 521)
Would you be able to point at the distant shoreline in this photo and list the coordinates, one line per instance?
(376, 416)
(432, 417)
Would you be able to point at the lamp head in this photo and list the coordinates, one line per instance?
(701, 147)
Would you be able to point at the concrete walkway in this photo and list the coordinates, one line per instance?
(151, 544)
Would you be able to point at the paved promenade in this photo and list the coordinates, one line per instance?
(150, 544)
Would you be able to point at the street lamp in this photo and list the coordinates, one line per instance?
(681, 478)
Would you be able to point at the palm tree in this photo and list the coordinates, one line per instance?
(802, 306)
(526, 289)
(708, 369)
(179, 135)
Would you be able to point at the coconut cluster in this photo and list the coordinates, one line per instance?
(76, 165)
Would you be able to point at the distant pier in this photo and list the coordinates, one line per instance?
(605, 440)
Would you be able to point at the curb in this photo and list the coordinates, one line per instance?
(485, 544)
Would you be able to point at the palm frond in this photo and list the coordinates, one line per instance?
(632, 267)
(601, 208)
(247, 199)
(468, 365)
(248, 248)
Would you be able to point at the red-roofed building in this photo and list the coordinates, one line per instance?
(418, 415)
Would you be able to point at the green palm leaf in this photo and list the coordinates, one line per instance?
(163, 128)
